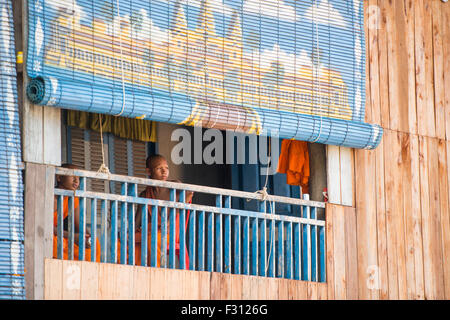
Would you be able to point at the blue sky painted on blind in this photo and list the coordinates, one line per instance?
(287, 30)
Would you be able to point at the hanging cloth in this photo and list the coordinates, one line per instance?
(294, 162)
(127, 128)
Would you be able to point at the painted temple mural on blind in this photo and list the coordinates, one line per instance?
(242, 56)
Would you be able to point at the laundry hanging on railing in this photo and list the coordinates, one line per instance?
(12, 281)
(288, 69)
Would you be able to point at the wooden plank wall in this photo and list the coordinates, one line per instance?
(80, 280)
(402, 187)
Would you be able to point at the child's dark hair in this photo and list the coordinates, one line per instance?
(151, 159)
(69, 166)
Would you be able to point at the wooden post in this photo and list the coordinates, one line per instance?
(41, 131)
(39, 198)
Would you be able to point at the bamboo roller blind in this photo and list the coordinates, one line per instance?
(293, 69)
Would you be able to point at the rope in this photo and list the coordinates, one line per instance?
(103, 168)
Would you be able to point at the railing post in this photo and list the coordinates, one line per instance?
(201, 241)
(131, 228)
(313, 247)
(227, 240)
(104, 231)
(246, 246)
(71, 227)
(163, 259)
(289, 251)
(93, 229)
(144, 235)
(192, 240)
(211, 251)
(237, 245)
(60, 227)
(306, 252)
(114, 208)
(182, 233)
(154, 238)
(82, 224)
(123, 225)
(172, 226)
(218, 229)
(297, 253)
(280, 256)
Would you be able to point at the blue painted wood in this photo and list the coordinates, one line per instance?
(314, 257)
(263, 248)
(271, 253)
(305, 266)
(255, 249)
(131, 225)
(104, 230)
(144, 235)
(82, 222)
(154, 237)
(297, 252)
(164, 262)
(289, 250)
(306, 246)
(322, 251)
(123, 225)
(172, 231)
(218, 234)
(93, 229)
(246, 246)
(210, 254)
(182, 230)
(114, 213)
(192, 239)
(60, 230)
(227, 237)
(71, 228)
(280, 254)
(201, 241)
(237, 245)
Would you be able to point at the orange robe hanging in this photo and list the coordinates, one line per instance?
(87, 252)
(149, 193)
(294, 162)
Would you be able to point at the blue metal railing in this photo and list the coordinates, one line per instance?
(215, 238)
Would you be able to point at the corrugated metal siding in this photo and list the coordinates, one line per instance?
(12, 284)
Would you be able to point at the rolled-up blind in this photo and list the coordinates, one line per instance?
(295, 69)
(11, 186)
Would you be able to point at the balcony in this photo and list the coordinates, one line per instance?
(211, 238)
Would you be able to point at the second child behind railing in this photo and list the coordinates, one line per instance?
(157, 168)
(70, 183)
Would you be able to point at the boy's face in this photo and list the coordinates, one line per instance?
(68, 182)
(159, 170)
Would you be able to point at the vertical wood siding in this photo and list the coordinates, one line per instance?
(402, 188)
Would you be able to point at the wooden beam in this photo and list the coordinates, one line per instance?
(39, 184)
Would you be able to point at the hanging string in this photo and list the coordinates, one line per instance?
(121, 60)
(103, 168)
(317, 72)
